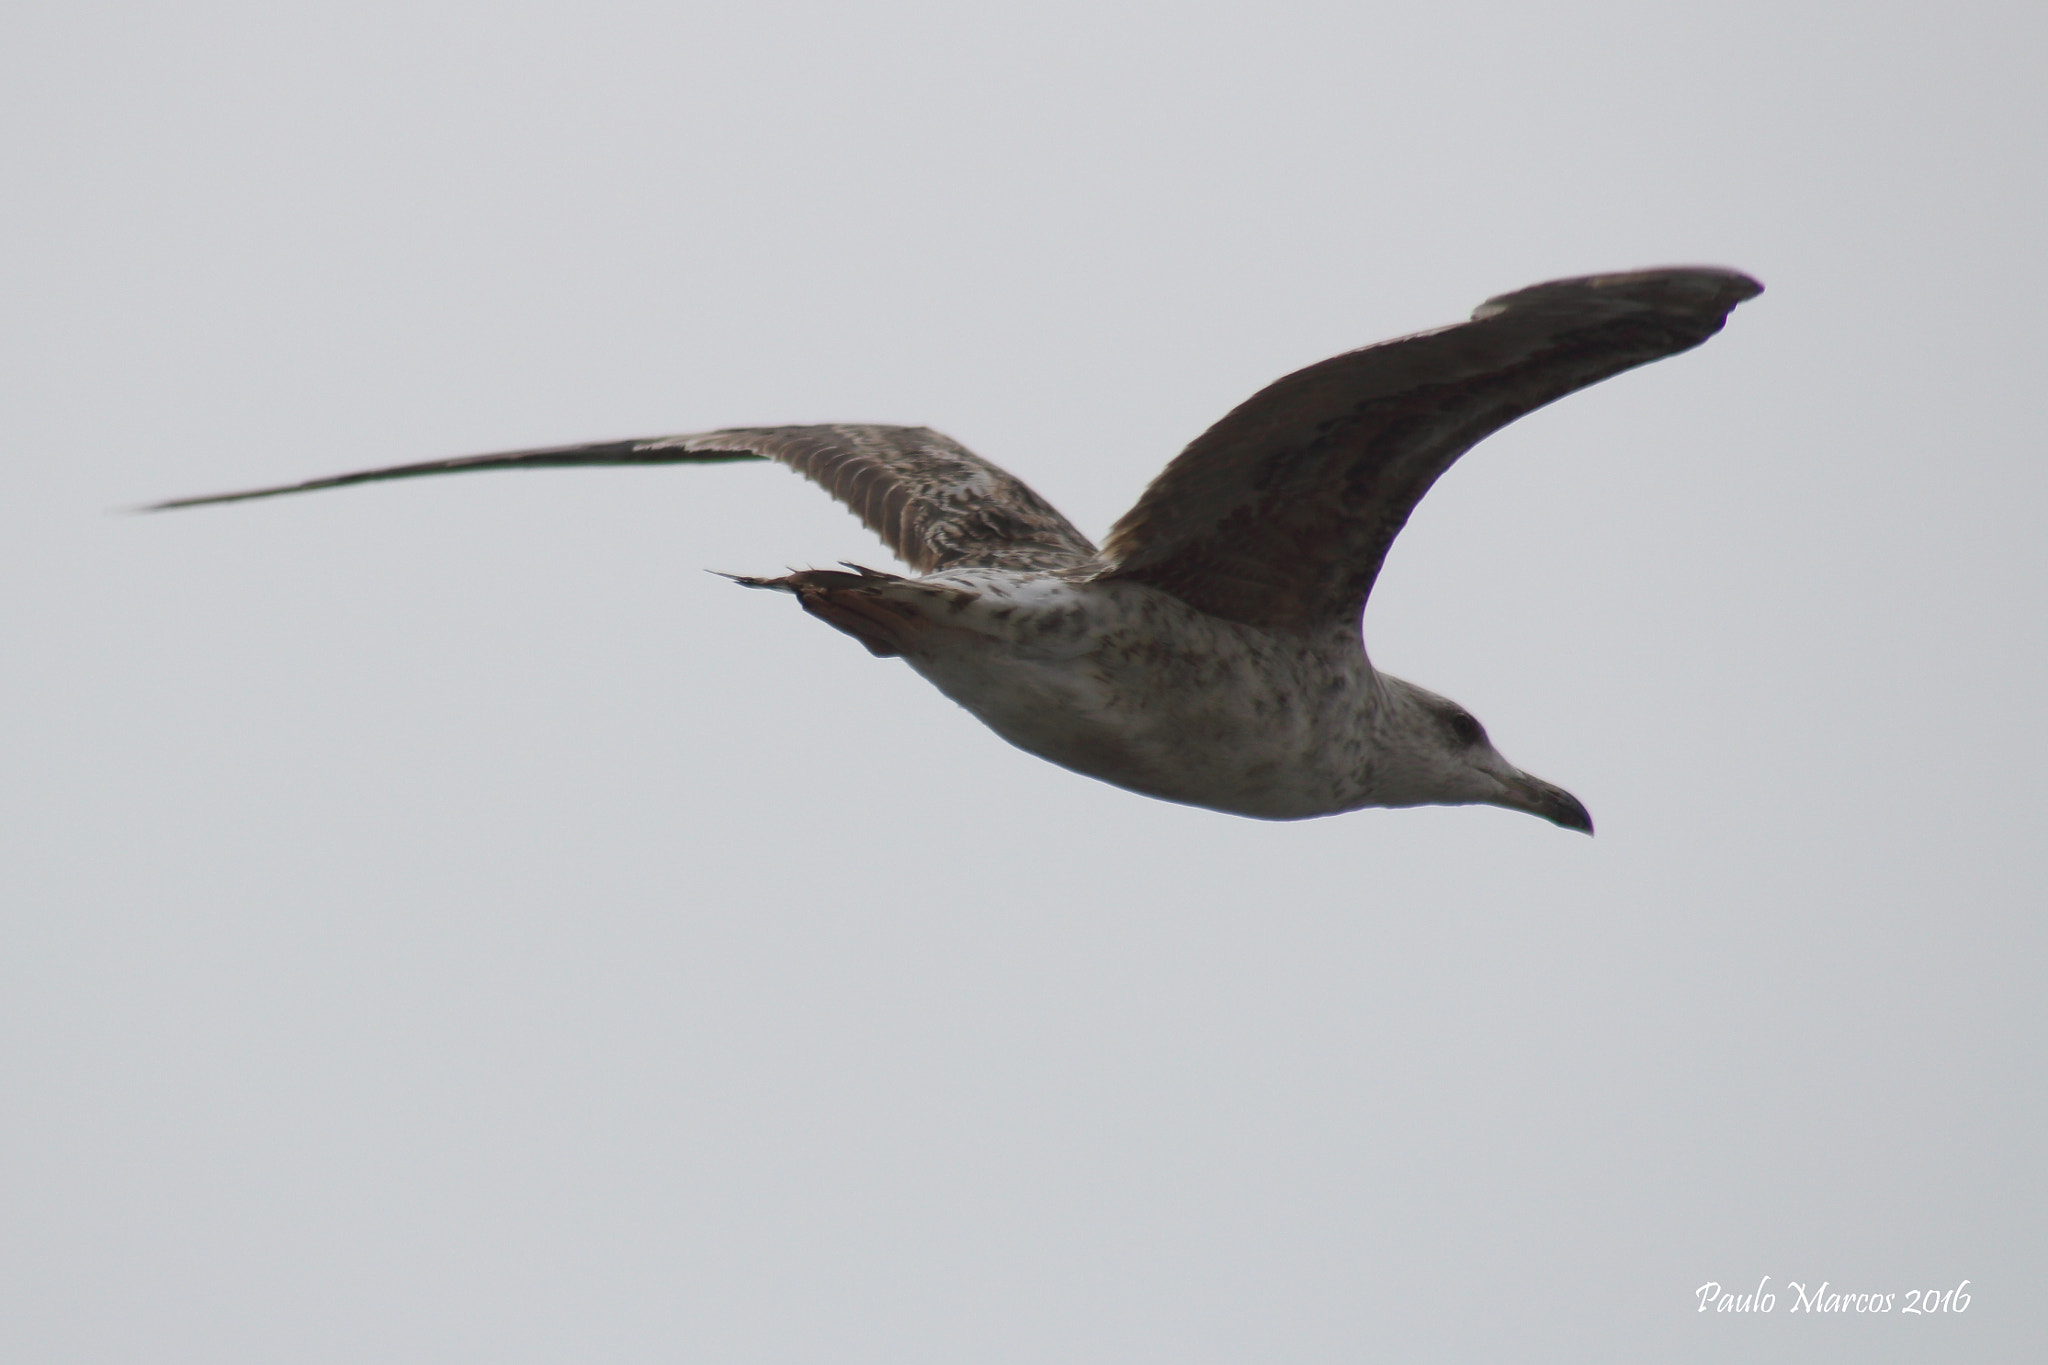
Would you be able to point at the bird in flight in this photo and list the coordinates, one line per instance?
(1210, 652)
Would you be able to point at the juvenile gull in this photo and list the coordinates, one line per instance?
(1209, 653)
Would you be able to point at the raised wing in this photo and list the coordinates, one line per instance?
(935, 503)
(1280, 514)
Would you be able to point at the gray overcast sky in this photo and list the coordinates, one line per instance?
(443, 924)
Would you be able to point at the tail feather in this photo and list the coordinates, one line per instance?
(883, 611)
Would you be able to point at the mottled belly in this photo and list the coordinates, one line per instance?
(1235, 743)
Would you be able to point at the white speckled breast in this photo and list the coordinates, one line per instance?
(1124, 683)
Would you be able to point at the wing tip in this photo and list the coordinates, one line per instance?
(171, 504)
(1693, 290)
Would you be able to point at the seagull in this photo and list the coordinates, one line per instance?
(1210, 652)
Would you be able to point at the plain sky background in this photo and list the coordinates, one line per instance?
(443, 924)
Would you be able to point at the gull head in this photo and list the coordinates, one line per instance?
(1432, 752)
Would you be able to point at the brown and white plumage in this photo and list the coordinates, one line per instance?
(935, 503)
(1209, 652)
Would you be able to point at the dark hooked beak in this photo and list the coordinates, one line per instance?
(1537, 797)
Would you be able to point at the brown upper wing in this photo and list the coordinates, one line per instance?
(1280, 514)
(934, 502)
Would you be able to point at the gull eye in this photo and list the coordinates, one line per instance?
(1464, 729)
